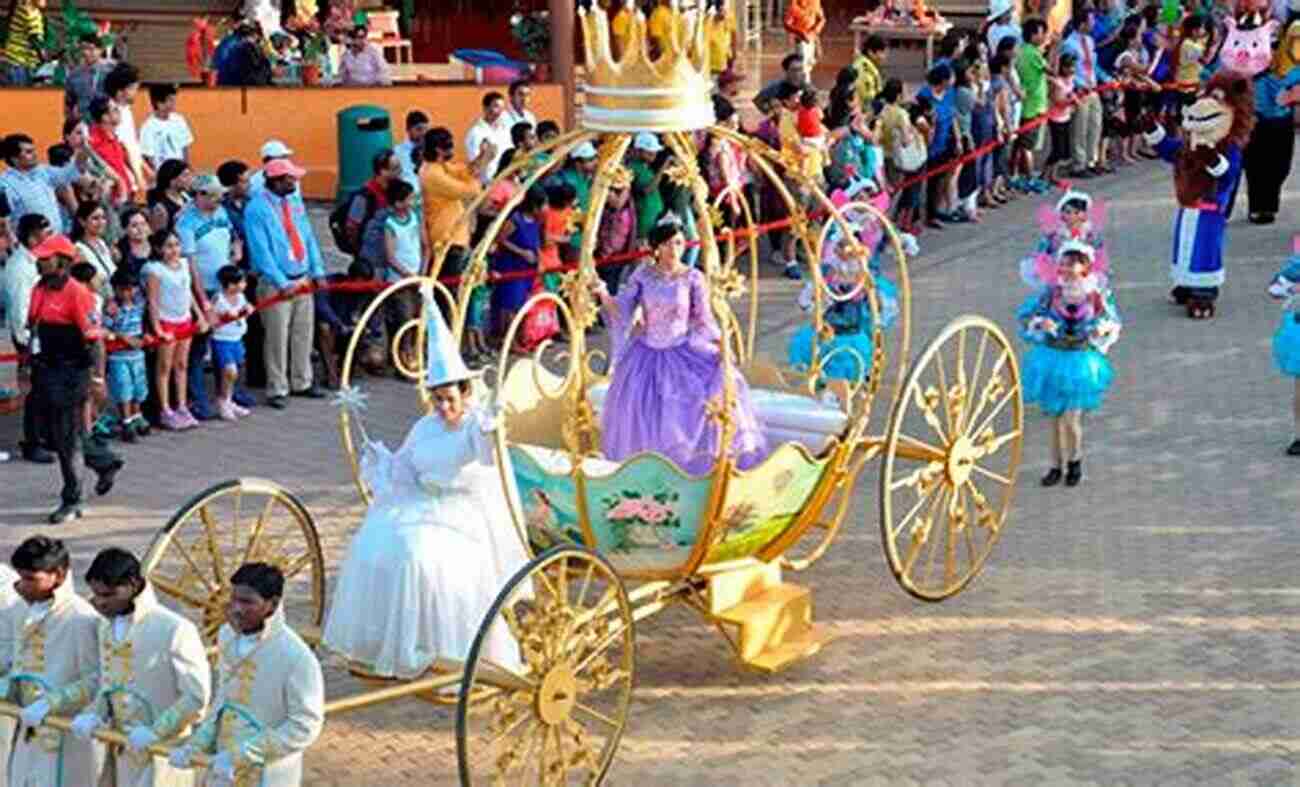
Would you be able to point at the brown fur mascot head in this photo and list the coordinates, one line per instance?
(1224, 111)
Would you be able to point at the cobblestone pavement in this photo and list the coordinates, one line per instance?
(1137, 630)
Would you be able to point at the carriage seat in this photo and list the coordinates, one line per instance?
(786, 417)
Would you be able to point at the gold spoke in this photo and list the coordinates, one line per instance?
(917, 444)
(973, 383)
(559, 753)
(950, 540)
(914, 548)
(291, 568)
(599, 648)
(258, 527)
(943, 389)
(177, 592)
(970, 547)
(489, 745)
(554, 593)
(1001, 479)
(984, 396)
(595, 714)
(586, 583)
(185, 553)
(988, 419)
(234, 525)
(210, 529)
(914, 510)
(939, 510)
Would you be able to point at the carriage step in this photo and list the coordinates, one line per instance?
(777, 658)
(774, 625)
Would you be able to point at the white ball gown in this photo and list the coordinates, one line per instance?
(436, 547)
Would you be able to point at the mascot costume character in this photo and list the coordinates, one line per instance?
(1207, 165)
(1272, 143)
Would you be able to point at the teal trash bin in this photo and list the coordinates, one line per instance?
(363, 132)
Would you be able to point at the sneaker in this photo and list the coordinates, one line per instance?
(226, 412)
(792, 272)
(171, 421)
(188, 421)
(141, 426)
(242, 412)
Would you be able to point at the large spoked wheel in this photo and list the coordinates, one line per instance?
(951, 457)
(549, 678)
(238, 521)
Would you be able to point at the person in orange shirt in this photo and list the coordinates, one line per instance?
(804, 21)
(557, 227)
(720, 35)
(445, 187)
(659, 28)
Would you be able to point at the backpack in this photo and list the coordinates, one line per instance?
(339, 220)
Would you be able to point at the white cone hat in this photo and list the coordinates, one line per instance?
(445, 364)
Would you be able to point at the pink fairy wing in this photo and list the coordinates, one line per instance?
(1097, 214)
(1045, 269)
(1048, 218)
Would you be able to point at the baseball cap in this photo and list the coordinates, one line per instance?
(55, 245)
(584, 151)
(276, 149)
(648, 142)
(283, 166)
(207, 184)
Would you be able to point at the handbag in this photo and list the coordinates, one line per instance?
(910, 157)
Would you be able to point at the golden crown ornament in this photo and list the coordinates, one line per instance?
(635, 93)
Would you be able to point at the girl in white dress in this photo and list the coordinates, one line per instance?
(438, 542)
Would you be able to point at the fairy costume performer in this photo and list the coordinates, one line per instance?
(1286, 340)
(1207, 163)
(846, 346)
(1071, 324)
(667, 368)
(1075, 217)
(438, 540)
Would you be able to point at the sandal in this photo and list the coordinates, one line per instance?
(1200, 310)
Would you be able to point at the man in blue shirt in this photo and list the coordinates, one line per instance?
(1085, 126)
(286, 256)
(29, 185)
(945, 144)
(1272, 143)
(208, 240)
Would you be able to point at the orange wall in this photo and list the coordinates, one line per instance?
(232, 123)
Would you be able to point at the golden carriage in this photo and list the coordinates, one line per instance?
(615, 543)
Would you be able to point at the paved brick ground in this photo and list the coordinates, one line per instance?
(1138, 630)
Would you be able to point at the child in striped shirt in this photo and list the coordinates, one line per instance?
(128, 382)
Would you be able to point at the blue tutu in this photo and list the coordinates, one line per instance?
(1286, 345)
(843, 366)
(1063, 380)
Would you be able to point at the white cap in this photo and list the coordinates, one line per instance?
(445, 364)
(1071, 196)
(647, 141)
(1075, 247)
(276, 149)
(584, 151)
(999, 7)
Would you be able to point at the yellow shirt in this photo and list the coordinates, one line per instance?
(1189, 64)
(894, 125)
(718, 32)
(661, 23)
(445, 187)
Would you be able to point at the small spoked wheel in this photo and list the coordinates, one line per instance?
(547, 685)
(950, 459)
(239, 521)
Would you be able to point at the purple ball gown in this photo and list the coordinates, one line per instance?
(666, 371)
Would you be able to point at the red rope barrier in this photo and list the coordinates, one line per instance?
(625, 257)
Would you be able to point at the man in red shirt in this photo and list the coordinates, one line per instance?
(64, 318)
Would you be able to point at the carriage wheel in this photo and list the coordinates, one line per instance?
(238, 521)
(556, 714)
(951, 456)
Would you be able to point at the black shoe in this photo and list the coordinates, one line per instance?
(107, 476)
(37, 455)
(309, 393)
(65, 512)
(1074, 472)
(278, 402)
(141, 427)
(1294, 448)
(1052, 478)
(128, 433)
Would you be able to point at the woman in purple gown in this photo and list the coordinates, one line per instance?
(669, 367)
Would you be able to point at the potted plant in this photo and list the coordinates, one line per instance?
(531, 30)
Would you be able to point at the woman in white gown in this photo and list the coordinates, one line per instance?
(437, 543)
